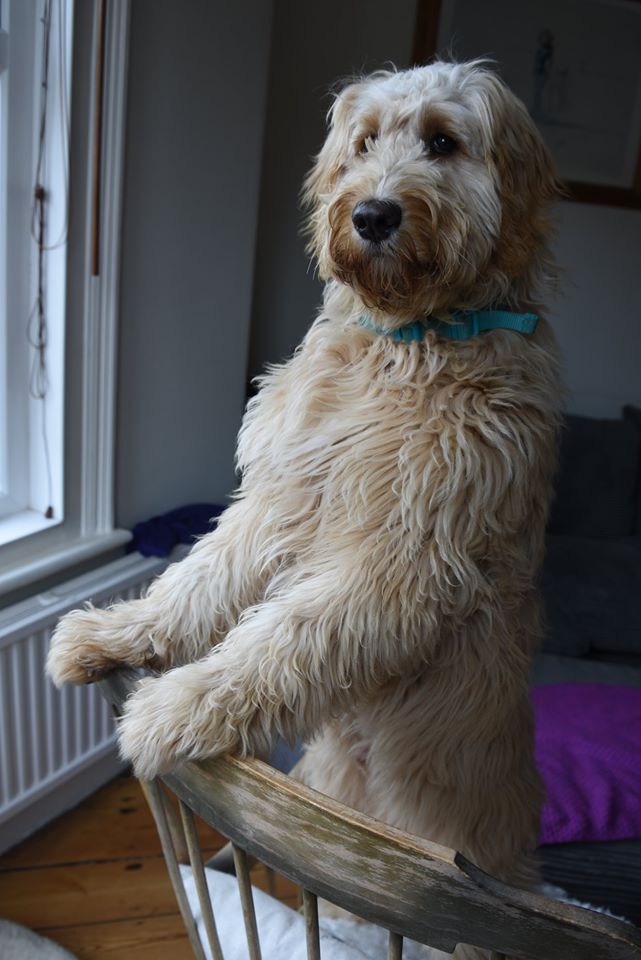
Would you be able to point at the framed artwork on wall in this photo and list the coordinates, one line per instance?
(576, 64)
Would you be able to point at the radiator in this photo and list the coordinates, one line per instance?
(55, 746)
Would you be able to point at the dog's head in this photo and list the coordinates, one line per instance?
(429, 190)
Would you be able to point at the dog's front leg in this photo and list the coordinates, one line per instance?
(186, 611)
(283, 670)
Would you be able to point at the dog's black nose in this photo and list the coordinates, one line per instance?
(375, 220)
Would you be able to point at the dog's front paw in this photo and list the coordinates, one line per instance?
(76, 654)
(168, 721)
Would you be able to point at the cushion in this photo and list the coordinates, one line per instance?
(605, 873)
(548, 669)
(592, 594)
(633, 415)
(596, 486)
(588, 751)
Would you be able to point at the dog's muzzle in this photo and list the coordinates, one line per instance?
(376, 220)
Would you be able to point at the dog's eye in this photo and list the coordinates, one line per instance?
(364, 143)
(442, 145)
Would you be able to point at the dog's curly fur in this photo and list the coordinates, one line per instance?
(373, 586)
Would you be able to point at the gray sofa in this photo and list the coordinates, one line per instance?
(592, 591)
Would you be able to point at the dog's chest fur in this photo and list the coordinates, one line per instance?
(431, 460)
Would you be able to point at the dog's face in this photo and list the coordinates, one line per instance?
(427, 194)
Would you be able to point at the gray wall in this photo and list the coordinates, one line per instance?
(598, 317)
(196, 113)
(313, 45)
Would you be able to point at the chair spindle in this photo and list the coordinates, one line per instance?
(394, 946)
(312, 933)
(270, 876)
(175, 827)
(154, 796)
(198, 870)
(247, 902)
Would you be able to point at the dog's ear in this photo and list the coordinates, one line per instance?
(526, 178)
(335, 152)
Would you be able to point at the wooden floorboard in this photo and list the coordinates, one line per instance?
(95, 880)
(113, 824)
(147, 938)
(92, 892)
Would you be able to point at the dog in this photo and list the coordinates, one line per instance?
(372, 589)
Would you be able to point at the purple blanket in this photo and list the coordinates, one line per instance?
(588, 750)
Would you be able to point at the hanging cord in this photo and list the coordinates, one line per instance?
(37, 331)
(37, 335)
(61, 88)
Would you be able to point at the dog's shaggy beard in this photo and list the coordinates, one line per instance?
(389, 277)
(433, 263)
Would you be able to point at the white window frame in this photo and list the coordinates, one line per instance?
(87, 528)
(4, 439)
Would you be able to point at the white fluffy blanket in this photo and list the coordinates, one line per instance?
(282, 930)
(18, 943)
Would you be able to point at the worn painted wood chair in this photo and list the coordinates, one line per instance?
(413, 888)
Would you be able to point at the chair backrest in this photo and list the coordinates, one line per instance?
(413, 888)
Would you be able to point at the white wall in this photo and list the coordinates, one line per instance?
(196, 111)
(598, 318)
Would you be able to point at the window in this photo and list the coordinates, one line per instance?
(58, 305)
(34, 135)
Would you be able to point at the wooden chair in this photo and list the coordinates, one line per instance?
(413, 888)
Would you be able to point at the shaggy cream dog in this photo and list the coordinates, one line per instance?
(373, 587)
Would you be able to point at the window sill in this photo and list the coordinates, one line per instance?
(66, 555)
(23, 524)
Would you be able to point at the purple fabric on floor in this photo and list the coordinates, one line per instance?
(588, 751)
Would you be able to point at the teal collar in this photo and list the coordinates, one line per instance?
(465, 324)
